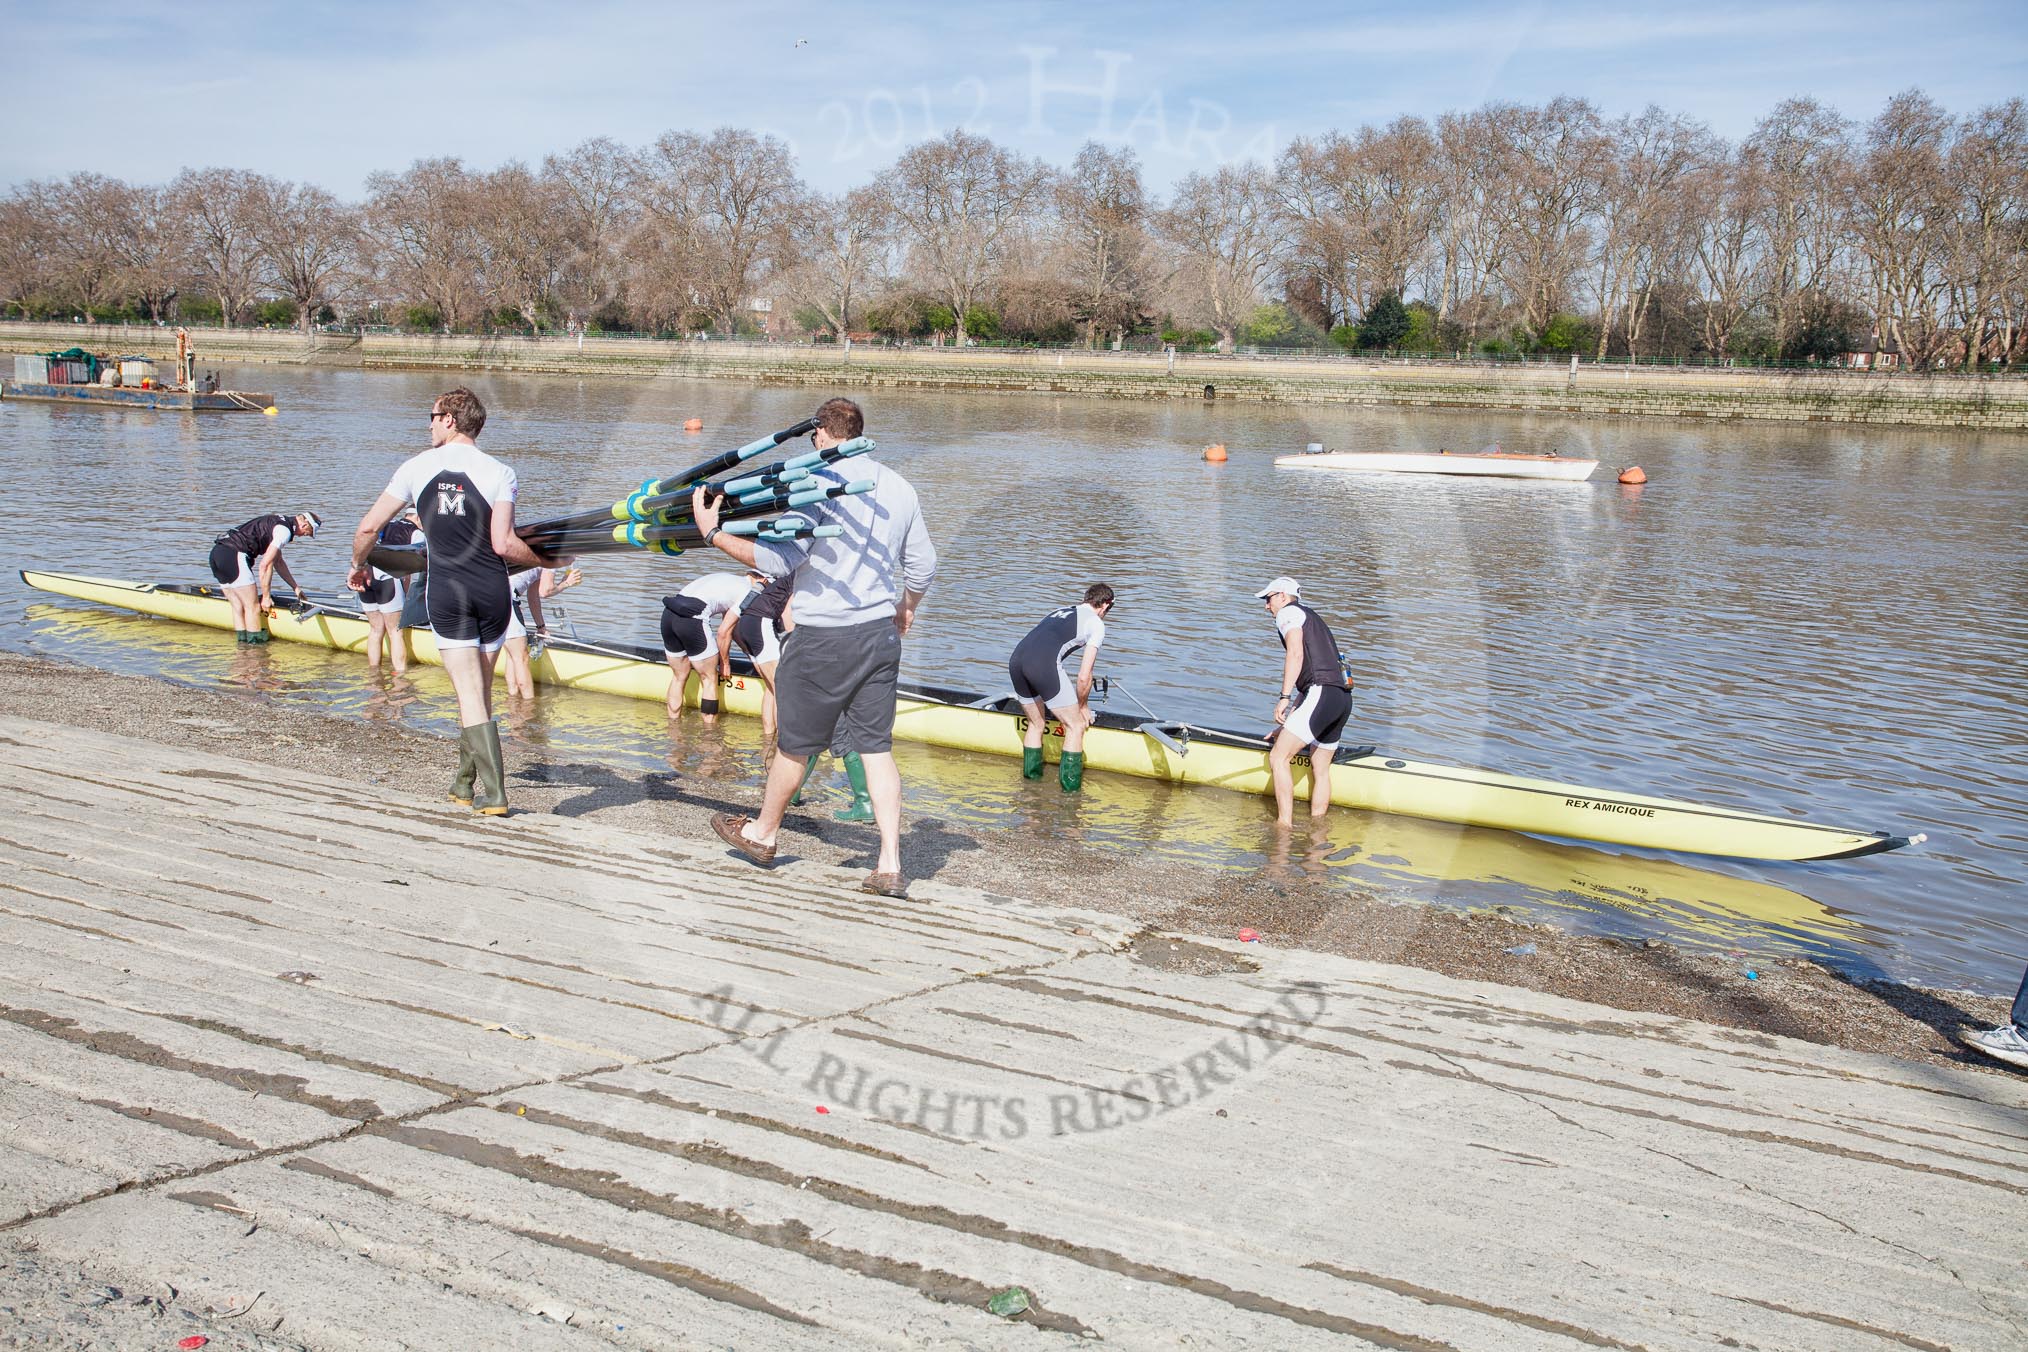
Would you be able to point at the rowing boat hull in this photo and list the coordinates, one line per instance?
(1414, 462)
(1211, 758)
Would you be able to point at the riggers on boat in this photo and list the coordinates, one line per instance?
(1178, 752)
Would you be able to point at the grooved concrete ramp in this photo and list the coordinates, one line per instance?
(371, 1073)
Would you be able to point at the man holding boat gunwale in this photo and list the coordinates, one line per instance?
(245, 560)
(1316, 699)
(465, 500)
(1036, 671)
(855, 596)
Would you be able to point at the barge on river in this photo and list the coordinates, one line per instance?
(75, 376)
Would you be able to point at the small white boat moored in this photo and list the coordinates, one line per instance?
(1491, 461)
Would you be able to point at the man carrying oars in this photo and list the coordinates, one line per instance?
(855, 596)
(465, 499)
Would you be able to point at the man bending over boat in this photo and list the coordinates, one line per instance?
(855, 596)
(245, 560)
(465, 500)
(1036, 669)
(1315, 701)
(696, 622)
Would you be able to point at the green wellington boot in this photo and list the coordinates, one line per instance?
(239, 635)
(1031, 762)
(861, 809)
(468, 769)
(491, 798)
(809, 768)
(1070, 771)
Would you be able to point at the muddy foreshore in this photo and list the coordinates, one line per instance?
(1793, 998)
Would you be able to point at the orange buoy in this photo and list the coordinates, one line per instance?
(1633, 474)
(694, 425)
(1215, 454)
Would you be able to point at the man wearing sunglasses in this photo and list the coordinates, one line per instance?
(465, 500)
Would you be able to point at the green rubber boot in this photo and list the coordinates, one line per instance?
(809, 768)
(1070, 771)
(1031, 762)
(468, 769)
(491, 799)
(862, 801)
(239, 634)
(257, 636)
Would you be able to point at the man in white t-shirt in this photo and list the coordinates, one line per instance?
(695, 625)
(465, 499)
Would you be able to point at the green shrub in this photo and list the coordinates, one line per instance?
(1386, 323)
(981, 322)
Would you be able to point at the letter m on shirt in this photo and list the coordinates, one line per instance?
(450, 503)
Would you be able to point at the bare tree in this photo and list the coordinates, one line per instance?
(1800, 154)
(216, 207)
(1725, 191)
(1987, 177)
(960, 202)
(423, 226)
(1472, 220)
(1360, 211)
(28, 247)
(523, 241)
(598, 211)
(1550, 161)
(1102, 210)
(727, 203)
(309, 243)
(1644, 215)
(843, 246)
(158, 251)
(96, 229)
(1224, 227)
(1900, 218)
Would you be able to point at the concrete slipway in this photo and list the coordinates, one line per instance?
(371, 1073)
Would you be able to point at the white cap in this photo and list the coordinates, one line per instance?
(1284, 583)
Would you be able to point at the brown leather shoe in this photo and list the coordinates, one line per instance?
(885, 885)
(732, 830)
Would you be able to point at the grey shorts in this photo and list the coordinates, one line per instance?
(838, 681)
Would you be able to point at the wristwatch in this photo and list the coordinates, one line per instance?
(712, 532)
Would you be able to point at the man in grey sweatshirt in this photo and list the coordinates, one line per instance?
(855, 596)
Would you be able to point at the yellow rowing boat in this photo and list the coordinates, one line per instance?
(1180, 753)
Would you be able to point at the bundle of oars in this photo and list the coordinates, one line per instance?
(656, 516)
(762, 503)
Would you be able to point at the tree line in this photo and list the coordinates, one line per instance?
(1509, 227)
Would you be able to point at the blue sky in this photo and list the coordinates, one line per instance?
(330, 92)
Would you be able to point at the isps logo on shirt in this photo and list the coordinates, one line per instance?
(450, 499)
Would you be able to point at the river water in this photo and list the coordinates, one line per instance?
(1823, 621)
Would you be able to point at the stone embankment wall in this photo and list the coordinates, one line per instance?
(1985, 403)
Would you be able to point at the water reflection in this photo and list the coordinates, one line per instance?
(617, 749)
(1775, 622)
